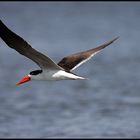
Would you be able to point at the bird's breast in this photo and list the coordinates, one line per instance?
(56, 75)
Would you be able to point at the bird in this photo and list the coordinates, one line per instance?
(49, 70)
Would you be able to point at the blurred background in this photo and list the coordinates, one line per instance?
(105, 106)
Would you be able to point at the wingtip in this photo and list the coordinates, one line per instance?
(115, 38)
(1, 21)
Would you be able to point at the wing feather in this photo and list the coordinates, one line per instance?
(73, 61)
(20, 45)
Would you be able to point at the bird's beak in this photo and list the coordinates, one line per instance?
(24, 80)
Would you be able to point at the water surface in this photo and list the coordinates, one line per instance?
(106, 105)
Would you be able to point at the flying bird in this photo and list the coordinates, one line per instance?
(49, 70)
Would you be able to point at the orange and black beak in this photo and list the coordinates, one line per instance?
(24, 80)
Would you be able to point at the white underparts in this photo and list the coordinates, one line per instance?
(55, 75)
(65, 75)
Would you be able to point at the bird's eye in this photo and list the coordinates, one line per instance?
(36, 72)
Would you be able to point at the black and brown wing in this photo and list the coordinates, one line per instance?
(20, 45)
(73, 61)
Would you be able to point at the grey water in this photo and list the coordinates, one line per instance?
(107, 105)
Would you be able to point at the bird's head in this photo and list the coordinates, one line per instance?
(29, 77)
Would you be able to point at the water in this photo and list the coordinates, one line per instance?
(105, 106)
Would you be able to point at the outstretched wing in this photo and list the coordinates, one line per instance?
(73, 61)
(20, 45)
